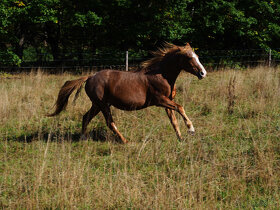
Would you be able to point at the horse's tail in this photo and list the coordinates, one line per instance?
(64, 93)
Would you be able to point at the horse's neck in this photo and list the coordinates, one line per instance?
(168, 68)
(170, 71)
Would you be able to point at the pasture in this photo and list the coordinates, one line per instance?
(232, 161)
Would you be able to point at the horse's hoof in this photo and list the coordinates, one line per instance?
(126, 142)
(180, 139)
(191, 132)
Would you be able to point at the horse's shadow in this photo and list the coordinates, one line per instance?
(99, 134)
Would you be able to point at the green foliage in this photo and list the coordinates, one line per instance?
(59, 27)
(9, 58)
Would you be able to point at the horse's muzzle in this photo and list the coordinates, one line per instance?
(201, 75)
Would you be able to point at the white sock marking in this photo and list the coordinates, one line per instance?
(191, 129)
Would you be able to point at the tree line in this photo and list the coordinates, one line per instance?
(69, 29)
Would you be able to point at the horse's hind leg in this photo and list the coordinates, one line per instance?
(110, 123)
(94, 110)
(174, 122)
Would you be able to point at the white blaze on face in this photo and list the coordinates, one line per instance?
(203, 71)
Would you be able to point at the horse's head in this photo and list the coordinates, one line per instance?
(183, 57)
(189, 62)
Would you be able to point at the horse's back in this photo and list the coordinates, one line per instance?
(124, 90)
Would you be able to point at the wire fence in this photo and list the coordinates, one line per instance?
(217, 59)
(87, 61)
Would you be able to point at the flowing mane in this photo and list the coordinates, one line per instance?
(159, 55)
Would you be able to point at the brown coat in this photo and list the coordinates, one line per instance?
(153, 84)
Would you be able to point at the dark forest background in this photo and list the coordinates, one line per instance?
(87, 31)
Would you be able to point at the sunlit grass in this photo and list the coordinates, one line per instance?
(231, 162)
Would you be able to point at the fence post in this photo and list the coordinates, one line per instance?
(126, 60)
(269, 58)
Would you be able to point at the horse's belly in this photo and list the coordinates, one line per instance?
(129, 101)
(128, 108)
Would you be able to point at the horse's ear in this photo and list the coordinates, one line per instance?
(188, 45)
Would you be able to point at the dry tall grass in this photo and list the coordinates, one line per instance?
(231, 162)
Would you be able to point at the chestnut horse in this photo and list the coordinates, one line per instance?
(153, 84)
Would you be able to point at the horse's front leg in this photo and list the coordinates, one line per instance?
(169, 104)
(171, 115)
(173, 120)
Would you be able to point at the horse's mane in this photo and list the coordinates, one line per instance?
(167, 48)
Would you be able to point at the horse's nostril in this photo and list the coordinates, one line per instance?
(201, 73)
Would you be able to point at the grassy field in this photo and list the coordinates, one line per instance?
(232, 162)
